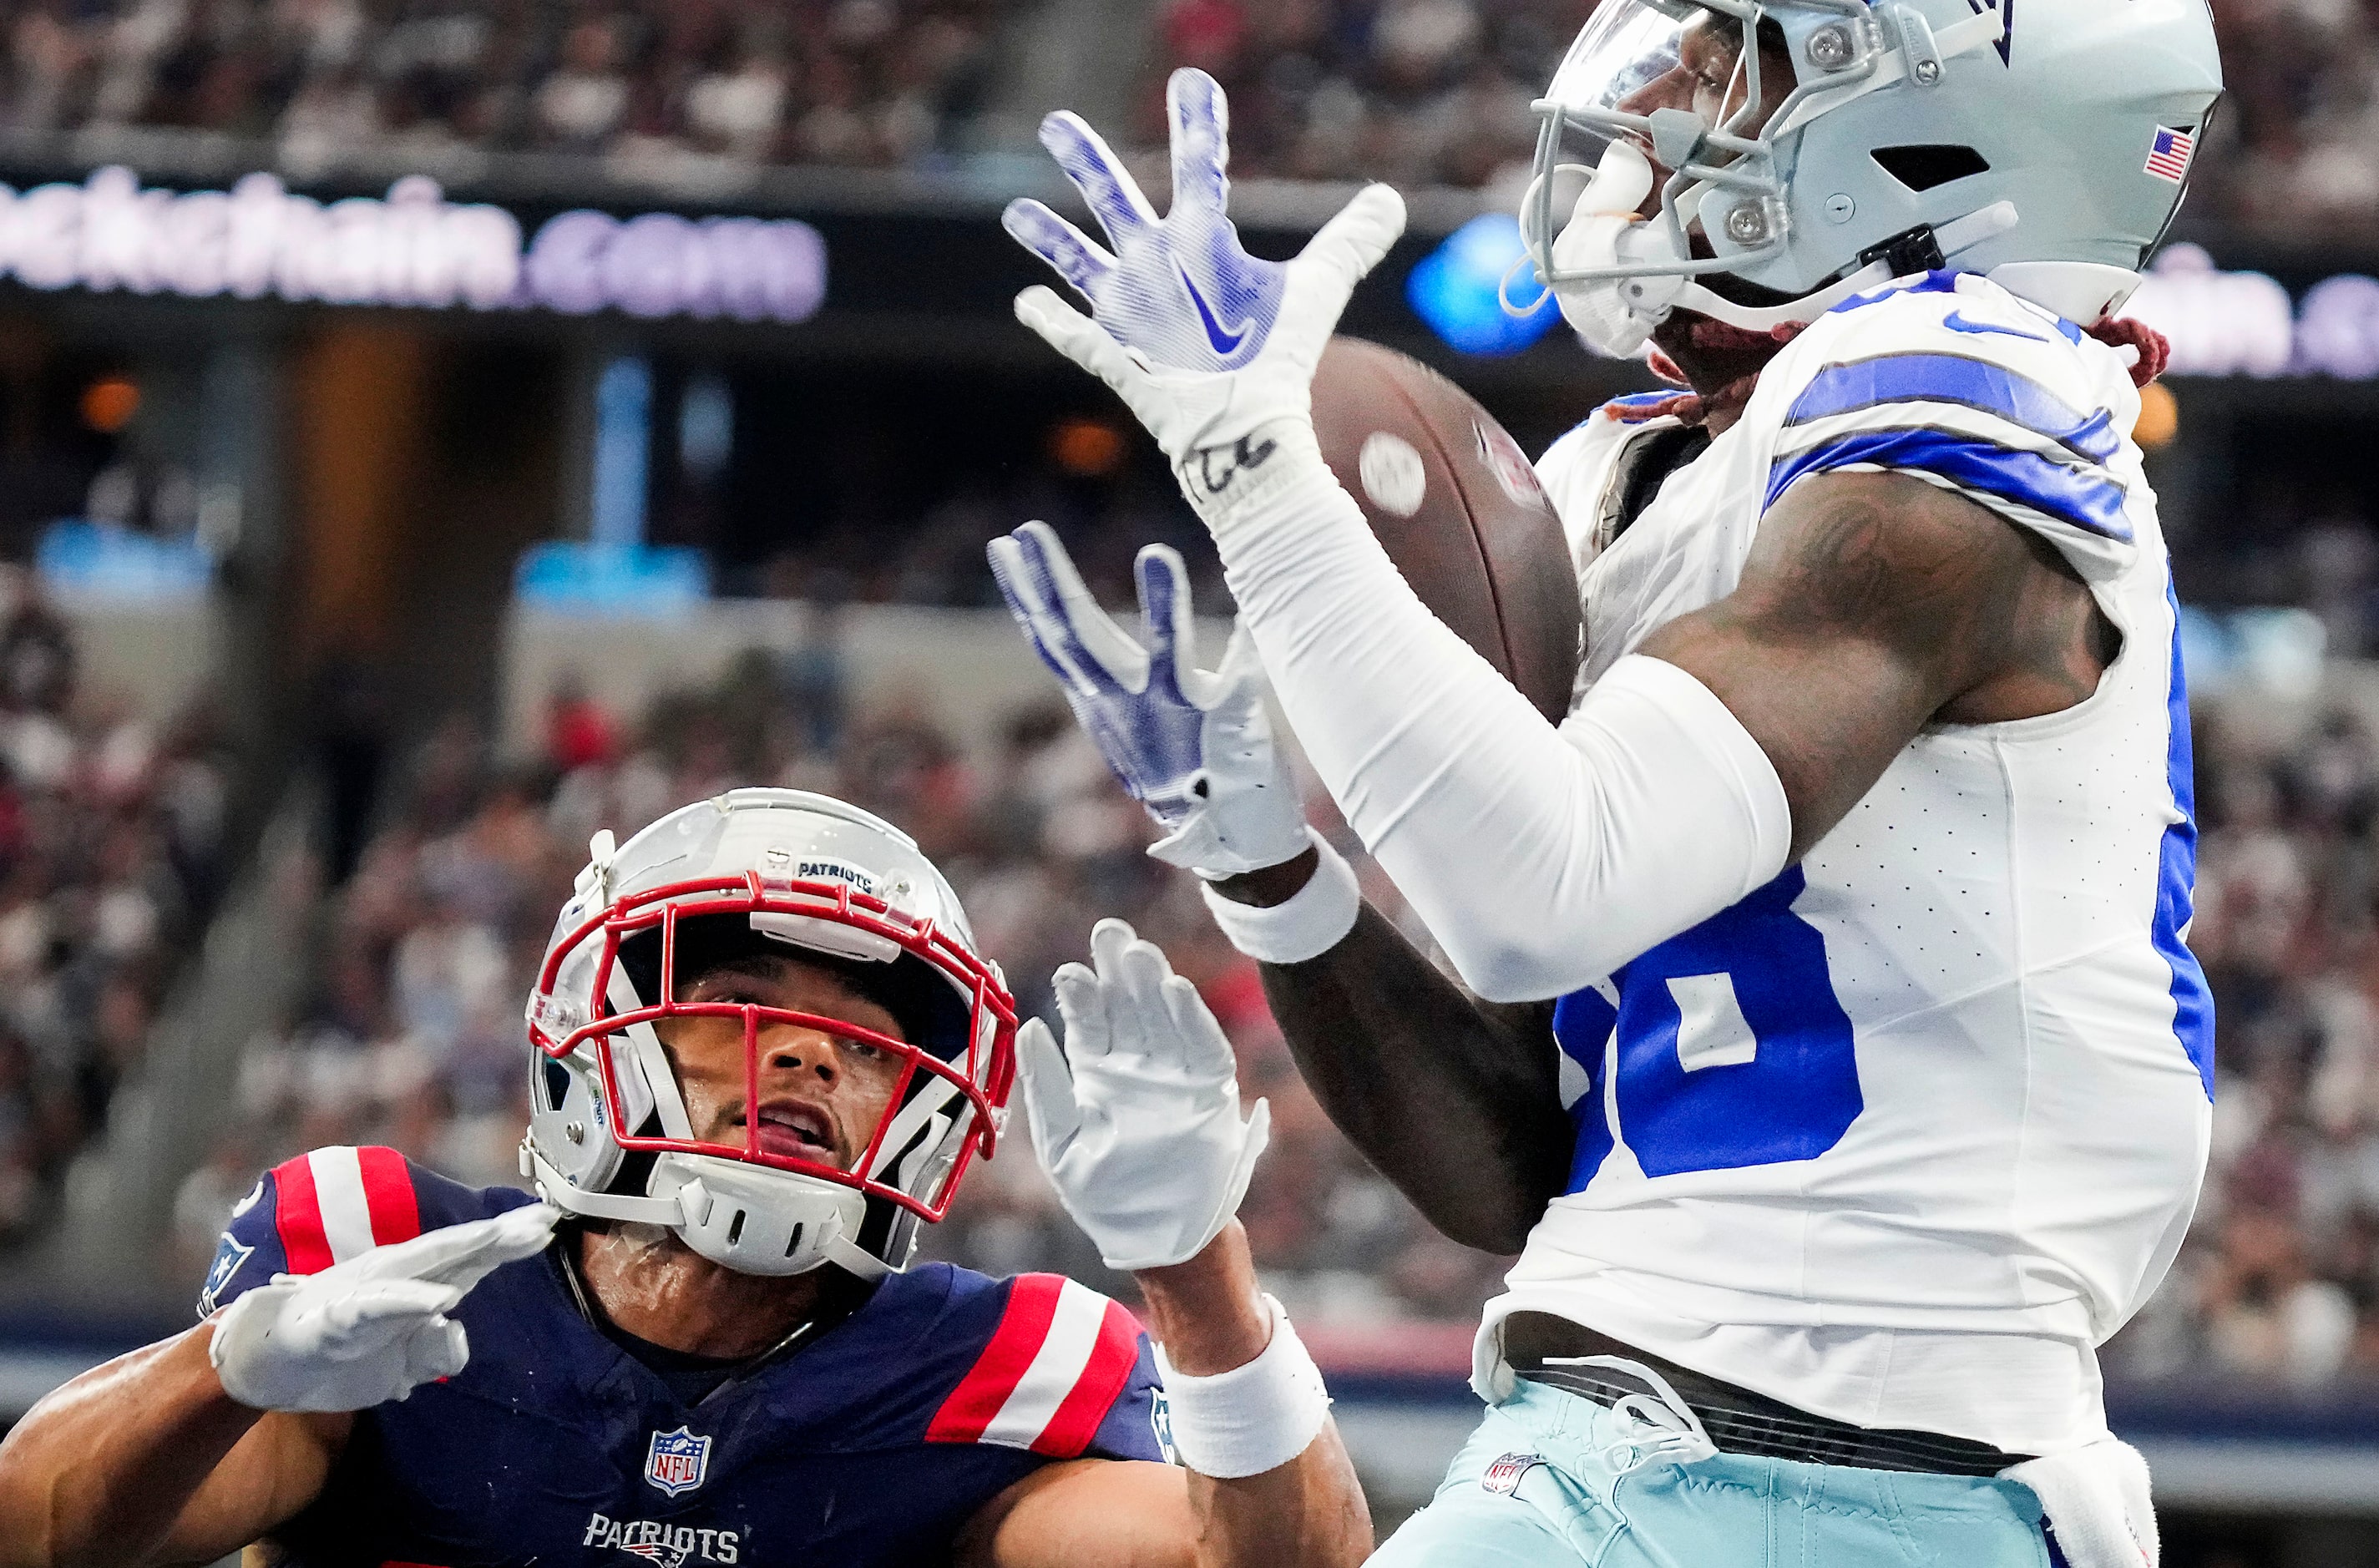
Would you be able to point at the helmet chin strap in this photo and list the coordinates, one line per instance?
(1953, 237)
(1617, 313)
(668, 1213)
(555, 1190)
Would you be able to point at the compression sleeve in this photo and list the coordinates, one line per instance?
(1542, 859)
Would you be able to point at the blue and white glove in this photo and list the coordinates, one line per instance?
(1211, 349)
(1194, 747)
(1137, 1121)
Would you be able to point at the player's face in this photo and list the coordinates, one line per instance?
(822, 1096)
(1707, 82)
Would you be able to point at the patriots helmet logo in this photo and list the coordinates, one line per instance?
(230, 1253)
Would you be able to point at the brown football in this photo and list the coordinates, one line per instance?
(1456, 505)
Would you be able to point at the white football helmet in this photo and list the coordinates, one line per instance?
(2046, 144)
(609, 1134)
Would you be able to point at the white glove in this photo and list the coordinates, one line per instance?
(2097, 1504)
(1194, 747)
(1137, 1121)
(1213, 349)
(371, 1329)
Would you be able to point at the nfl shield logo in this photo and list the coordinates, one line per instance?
(1503, 1477)
(678, 1460)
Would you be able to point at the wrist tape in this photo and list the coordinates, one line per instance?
(1252, 1418)
(1311, 922)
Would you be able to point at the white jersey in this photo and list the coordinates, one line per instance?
(1901, 1138)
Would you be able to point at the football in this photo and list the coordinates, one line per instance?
(1456, 505)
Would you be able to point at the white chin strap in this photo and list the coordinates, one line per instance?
(747, 1218)
(1618, 315)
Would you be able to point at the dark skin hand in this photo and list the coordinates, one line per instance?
(1872, 607)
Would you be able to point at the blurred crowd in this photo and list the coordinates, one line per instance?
(2280, 1278)
(2295, 143)
(412, 1035)
(1413, 91)
(1417, 91)
(110, 831)
(808, 81)
(1437, 92)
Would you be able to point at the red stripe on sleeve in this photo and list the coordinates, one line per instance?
(1104, 1376)
(1031, 1305)
(298, 1216)
(387, 1196)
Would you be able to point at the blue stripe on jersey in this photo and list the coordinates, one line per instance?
(1582, 1023)
(2193, 1002)
(1953, 377)
(1971, 464)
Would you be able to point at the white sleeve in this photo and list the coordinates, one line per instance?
(1542, 859)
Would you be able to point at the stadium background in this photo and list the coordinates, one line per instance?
(581, 405)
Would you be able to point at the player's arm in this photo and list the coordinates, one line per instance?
(1543, 858)
(1457, 1102)
(1453, 1102)
(1138, 1124)
(197, 1445)
(1120, 1513)
(1871, 605)
(147, 1460)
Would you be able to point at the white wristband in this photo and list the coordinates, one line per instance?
(1311, 922)
(1252, 1418)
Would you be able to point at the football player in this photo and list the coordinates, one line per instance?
(763, 1051)
(1851, 890)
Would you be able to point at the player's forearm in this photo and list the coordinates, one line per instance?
(1308, 1513)
(1543, 859)
(1457, 1105)
(99, 1471)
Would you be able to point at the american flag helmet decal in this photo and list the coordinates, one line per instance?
(2169, 154)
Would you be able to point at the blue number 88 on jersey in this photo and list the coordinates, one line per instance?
(1732, 1049)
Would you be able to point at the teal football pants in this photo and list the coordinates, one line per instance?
(1541, 1484)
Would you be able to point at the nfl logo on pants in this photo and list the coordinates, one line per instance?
(678, 1460)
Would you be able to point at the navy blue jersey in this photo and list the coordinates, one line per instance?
(871, 1444)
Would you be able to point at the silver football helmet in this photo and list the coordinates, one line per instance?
(608, 1133)
(1813, 149)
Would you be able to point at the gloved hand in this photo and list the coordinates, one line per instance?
(1213, 349)
(371, 1329)
(1194, 747)
(2096, 1501)
(1137, 1121)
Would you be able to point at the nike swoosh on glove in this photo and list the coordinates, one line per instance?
(1194, 747)
(371, 1329)
(1138, 1120)
(1211, 349)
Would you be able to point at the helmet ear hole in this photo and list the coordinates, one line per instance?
(557, 1083)
(1922, 168)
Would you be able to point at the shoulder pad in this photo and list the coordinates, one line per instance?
(1055, 1362)
(1970, 389)
(332, 1204)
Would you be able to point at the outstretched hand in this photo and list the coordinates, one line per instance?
(1137, 1121)
(1194, 747)
(1213, 349)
